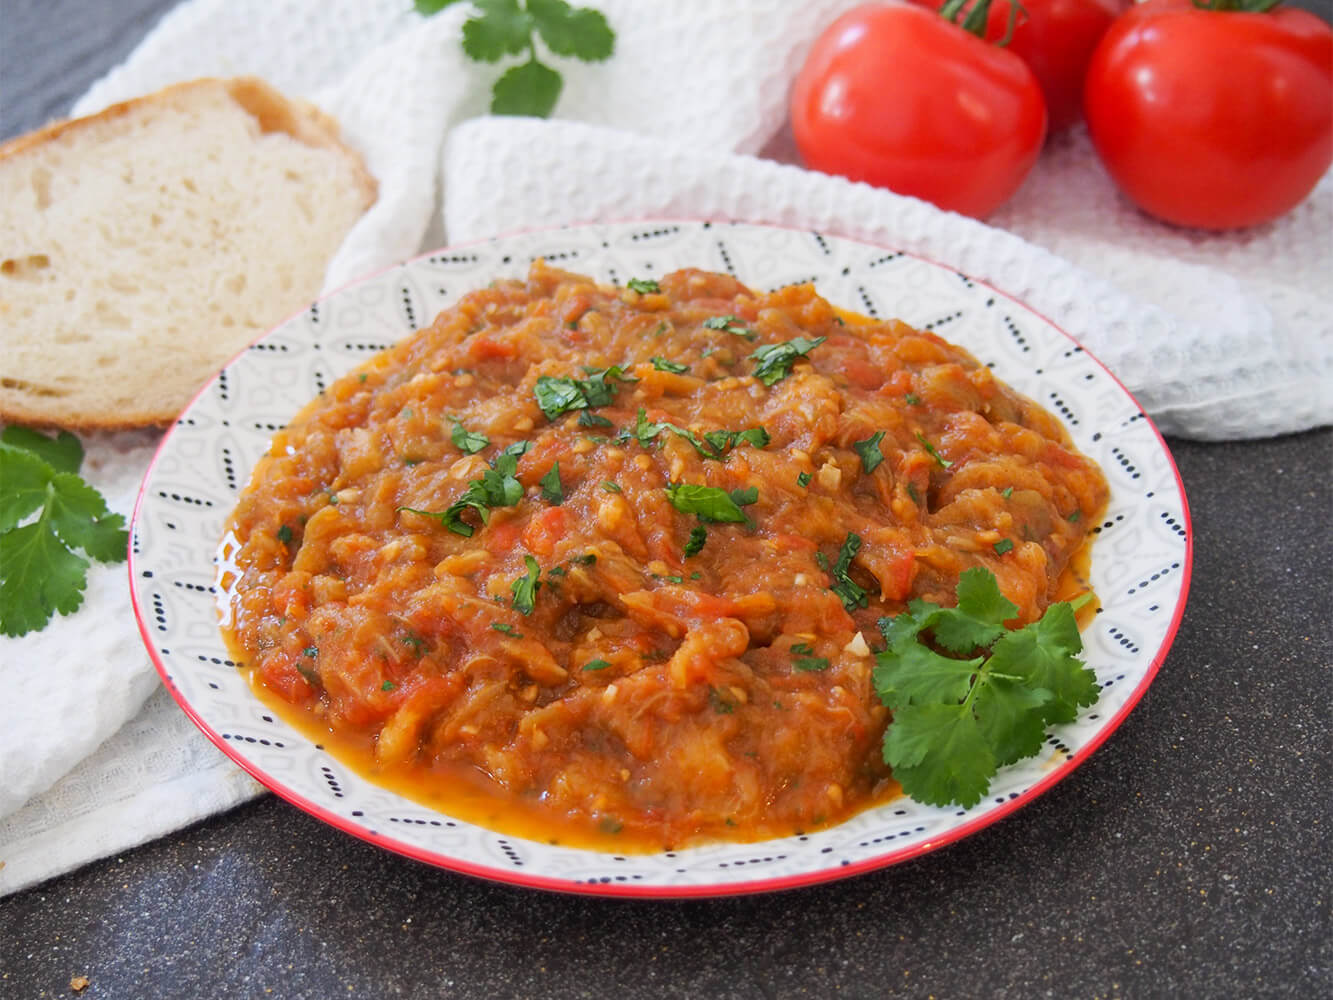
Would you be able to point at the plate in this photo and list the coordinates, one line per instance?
(1140, 560)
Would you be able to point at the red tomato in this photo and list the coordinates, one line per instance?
(1055, 38)
(897, 96)
(1209, 118)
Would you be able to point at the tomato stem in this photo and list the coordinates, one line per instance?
(978, 14)
(1236, 6)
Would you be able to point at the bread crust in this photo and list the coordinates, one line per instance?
(274, 112)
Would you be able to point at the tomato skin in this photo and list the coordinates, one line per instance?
(1056, 38)
(896, 96)
(1213, 119)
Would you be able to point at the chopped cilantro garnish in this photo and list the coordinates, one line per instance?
(803, 479)
(745, 496)
(869, 450)
(710, 503)
(773, 362)
(643, 286)
(525, 587)
(284, 534)
(497, 487)
(552, 491)
(388, 686)
(958, 716)
(698, 536)
(310, 652)
(912, 399)
(1074, 517)
(611, 487)
(663, 365)
(930, 450)
(852, 593)
(596, 665)
(469, 441)
(804, 658)
(588, 419)
(731, 324)
(1003, 546)
(507, 629)
(1007, 492)
(561, 394)
(712, 444)
(911, 492)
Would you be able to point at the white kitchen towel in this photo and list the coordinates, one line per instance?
(1209, 329)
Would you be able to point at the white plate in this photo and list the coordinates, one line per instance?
(1140, 562)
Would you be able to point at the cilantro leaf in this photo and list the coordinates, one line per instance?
(497, 487)
(852, 593)
(931, 450)
(427, 7)
(695, 544)
(731, 324)
(557, 394)
(468, 441)
(869, 450)
(552, 491)
(596, 665)
(773, 362)
(25, 477)
(528, 89)
(956, 719)
(41, 573)
(663, 365)
(525, 587)
(64, 452)
(41, 577)
(644, 286)
(580, 32)
(710, 503)
(939, 754)
(503, 29)
(80, 517)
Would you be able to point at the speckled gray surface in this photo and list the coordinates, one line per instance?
(1188, 858)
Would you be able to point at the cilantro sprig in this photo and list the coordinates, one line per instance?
(501, 28)
(773, 362)
(497, 487)
(41, 571)
(557, 394)
(711, 444)
(969, 695)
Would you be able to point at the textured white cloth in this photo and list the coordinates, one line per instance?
(1220, 336)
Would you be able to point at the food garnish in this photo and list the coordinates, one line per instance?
(511, 27)
(41, 571)
(969, 695)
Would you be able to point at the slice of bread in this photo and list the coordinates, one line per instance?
(142, 247)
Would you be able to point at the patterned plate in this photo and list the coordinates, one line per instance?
(1140, 564)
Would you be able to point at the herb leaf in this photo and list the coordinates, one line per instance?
(596, 665)
(958, 718)
(773, 362)
(40, 571)
(552, 491)
(561, 394)
(869, 450)
(708, 502)
(695, 543)
(497, 487)
(852, 593)
(731, 324)
(644, 286)
(940, 460)
(469, 441)
(580, 32)
(525, 587)
(503, 29)
(663, 365)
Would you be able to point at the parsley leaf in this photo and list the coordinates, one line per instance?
(580, 32)
(644, 286)
(596, 665)
(773, 362)
(507, 629)
(968, 695)
(731, 324)
(552, 491)
(469, 441)
(869, 450)
(663, 365)
(803, 479)
(804, 659)
(712, 444)
(525, 587)
(587, 419)
(41, 573)
(940, 460)
(710, 503)
(529, 89)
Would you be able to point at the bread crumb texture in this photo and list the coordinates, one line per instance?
(143, 246)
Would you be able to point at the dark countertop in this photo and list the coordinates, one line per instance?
(1189, 857)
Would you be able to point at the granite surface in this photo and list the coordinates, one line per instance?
(1189, 857)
